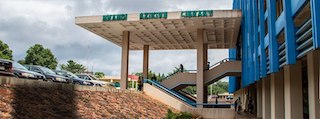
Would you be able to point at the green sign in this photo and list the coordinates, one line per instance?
(201, 13)
(116, 17)
(154, 15)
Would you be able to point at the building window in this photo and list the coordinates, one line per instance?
(259, 39)
(281, 37)
(279, 6)
(265, 5)
(266, 27)
(303, 15)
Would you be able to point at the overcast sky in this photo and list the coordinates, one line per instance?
(24, 23)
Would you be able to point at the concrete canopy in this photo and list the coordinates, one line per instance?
(175, 31)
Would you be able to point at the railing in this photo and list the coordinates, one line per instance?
(173, 93)
(304, 39)
(222, 61)
(181, 97)
(188, 94)
(195, 71)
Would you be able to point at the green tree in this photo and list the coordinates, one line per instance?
(22, 61)
(159, 77)
(99, 74)
(5, 52)
(38, 55)
(73, 67)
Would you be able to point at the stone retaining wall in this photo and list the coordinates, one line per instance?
(44, 84)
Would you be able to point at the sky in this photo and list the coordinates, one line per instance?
(51, 23)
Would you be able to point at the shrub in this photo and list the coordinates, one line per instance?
(181, 115)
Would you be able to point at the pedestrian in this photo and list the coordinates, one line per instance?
(250, 106)
(217, 99)
(235, 105)
(208, 65)
(239, 105)
(140, 81)
(181, 68)
(154, 78)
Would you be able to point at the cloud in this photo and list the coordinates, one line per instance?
(24, 23)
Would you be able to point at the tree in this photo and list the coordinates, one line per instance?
(99, 74)
(22, 61)
(5, 52)
(37, 55)
(73, 67)
(159, 77)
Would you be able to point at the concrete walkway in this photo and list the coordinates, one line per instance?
(245, 116)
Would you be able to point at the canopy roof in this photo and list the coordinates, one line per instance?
(167, 30)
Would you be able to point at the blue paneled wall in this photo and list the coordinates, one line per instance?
(262, 53)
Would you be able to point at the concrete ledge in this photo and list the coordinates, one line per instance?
(43, 84)
(212, 113)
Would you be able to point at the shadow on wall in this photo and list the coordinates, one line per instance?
(40, 103)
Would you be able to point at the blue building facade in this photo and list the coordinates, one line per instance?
(275, 33)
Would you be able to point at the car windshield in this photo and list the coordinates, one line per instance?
(93, 78)
(72, 75)
(16, 65)
(46, 70)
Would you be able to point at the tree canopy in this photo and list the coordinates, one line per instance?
(217, 88)
(159, 77)
(73, 67)
(5, 52)
(38, 55)
(99, 74)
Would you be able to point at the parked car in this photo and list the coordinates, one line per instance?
(75, 78)
(92, 79)
(22, 72)
(6, 67)
(48, 73)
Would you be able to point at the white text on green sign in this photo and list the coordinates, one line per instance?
(154, 15)
(117, 17)
(201, 13)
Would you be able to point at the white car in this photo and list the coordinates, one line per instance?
(92, 79)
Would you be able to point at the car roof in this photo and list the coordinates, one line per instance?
(6, 60)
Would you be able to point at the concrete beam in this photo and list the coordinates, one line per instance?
(145, 61)
(293, 91)
(313, 84)
(259, 99)
(201, 63)
(266, 102)
(277, 98)
(125, 60)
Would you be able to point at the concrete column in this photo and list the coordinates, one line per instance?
(125, 60)
(259, 99)
(145, 61)
(313, 84)
(293, 91)
(201, 63)
(266, 102)
(277, 98)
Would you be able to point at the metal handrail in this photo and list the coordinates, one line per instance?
(188, 94)
(222, 61)
(180, 97)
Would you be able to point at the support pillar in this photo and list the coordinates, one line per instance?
(277, 98)
(125, 60)
(145, 61)
(259, 99)
(293, 91)
(201, 67)
(313, 84)
(266, 103)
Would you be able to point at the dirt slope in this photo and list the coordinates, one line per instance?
(28, 102)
